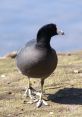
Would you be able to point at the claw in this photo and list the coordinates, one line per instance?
(45, 103)
(39, 103)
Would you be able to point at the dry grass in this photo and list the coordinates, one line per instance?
(63, 90)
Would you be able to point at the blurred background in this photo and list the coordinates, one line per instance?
(21, 19)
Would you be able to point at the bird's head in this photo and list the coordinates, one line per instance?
(48, 31)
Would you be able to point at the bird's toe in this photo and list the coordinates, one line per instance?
(41, 102)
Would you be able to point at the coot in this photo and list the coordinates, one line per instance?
(37, 59)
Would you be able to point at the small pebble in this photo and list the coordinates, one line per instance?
(76, 71)
(9, 83)
(24, 101)
(9, 92)
(9, 115)
(2, 76)
(51, 113)
(22, 109)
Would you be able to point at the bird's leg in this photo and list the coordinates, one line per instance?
(41, 101)
(42, 83)
(30, 92)
(27, 89)
(40, 93)
(34, 95)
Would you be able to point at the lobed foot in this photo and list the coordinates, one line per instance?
(41, 102)
(35, 96)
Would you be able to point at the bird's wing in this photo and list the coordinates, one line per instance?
(28, 44)
(32, 42)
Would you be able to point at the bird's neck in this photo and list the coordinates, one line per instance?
(44, 42)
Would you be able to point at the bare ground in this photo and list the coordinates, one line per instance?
(63, 89)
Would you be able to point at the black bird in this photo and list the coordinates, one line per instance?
(38, 59)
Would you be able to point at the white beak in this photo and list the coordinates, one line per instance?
(60, 32)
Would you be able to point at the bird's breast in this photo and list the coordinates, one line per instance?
(37, 63)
